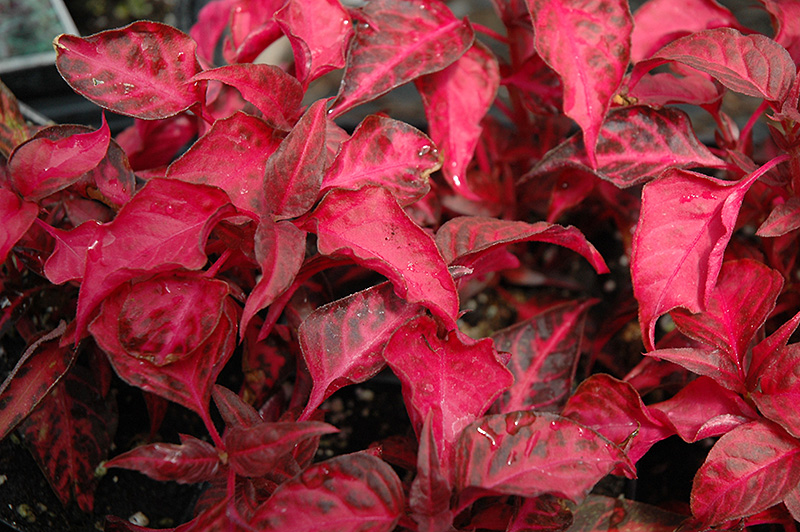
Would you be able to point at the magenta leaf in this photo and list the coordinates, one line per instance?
(614, 409)
(753, 65)
(777, 390)
(658, 22)
(430, 492)
(143, 70)
(785, 16)
(16, 217)
(293, 174)
(274, 92)
(242, 177)
(400, 42)
(342, 342)
(663, 88)
(38, 370)
(254, 451)
(320, 33)
(234, 411)
(154, 143)
(456, 99)
(604, 514)
(704, 409)
(42, 166)
(369, 226)
(68, 260)
(457, 377)
(190, 461)
(768, 348)
(713, 363)
(464, 240)
(530, 454)
(685, 223)
(355, 491)
(544, 353)
(783, 219)
(740, 475)
(588, 43)
(385, 152)
(252, 29)
(635, 144)
(73, 416)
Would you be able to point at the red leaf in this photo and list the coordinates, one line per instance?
(38, 370)
(634, 145)
(320, 33)
(456, 99)
(190, 462)
(369, 226)
(704, 409)
(234, 411)
(767, 349)
(614, 409)
(457, 377)
(430, 492)
(248, 141)
(154, 143)
(73, 416)
(663, 88)
(342, 341)
(280, 249)
(685, 223)
(255, 451)
(544, 354)
(252, 29)
(16, 217)
(68, 260)
(785, 17)
(606, 514)
(143, 70)
(464, 240)
(777, 388)
(754, 65)
(385, 152)
(401, 41)
(783, 219)
(42, 166)
(274, 92)
(705, 361)
(293, 174)
(740, 475)
(541, 514)
(355, 491)
(658, 22)
(530, 454)
(14, 129)
(588, 43)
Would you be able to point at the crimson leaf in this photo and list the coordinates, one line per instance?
(604, 514)
(16, 217)
(190, 461)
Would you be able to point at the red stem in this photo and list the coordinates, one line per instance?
(490, 33)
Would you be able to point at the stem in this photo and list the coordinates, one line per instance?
(490, 33)
(214, 269)
(745, 135)
(211, 428)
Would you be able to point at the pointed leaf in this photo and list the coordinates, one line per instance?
(190, 462)
(355, 491)
(430, 492)
(143, 70)
(544, 354)
(68, 260)
(320, 33)
(458, 377)
(705, 361)
(783, 219)
(234, 411)
(739, 476)
(14, 130)
(401, 41)
(369, 226)
(274, 92)
(241, 176)
(466, 239)
(777, 389)
(663, 88)
(252, 30)
(767, 349)
(385, 152)
(255, 451)
(753, 65)
(342, 341)
(604, 514)
(16, 217)
(588, 43)
(634, 145)
(785, 16)
(456, 99)
(154, 143)
(530, 454)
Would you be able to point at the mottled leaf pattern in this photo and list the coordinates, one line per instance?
(190, 461)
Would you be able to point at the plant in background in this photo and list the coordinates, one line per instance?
(328, 255)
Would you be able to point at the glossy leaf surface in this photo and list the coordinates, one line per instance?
(190, 461)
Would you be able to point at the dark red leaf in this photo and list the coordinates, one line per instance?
(254, 451)
(320, 33)
(16, 217)
(190, 462)
(783, 219)
(248, 143)
(400, 42)
(234, 411)
(457, 377)
(785, 17)
(74, 416)
(705, 361)
(385, 152)
(777, 388)
(456, 99)
(544, 354)
(588, 43)
(541, 514)
(767, 349)
(342, 342)
(740, 475)
(370, 227)
(154, 143)
(143, 70)
(530, 454)
(663, 88)
(355, 491)
(635, 144)
(430, 492)
(274, 92)
(252, 29)
(68, 260)
(14, 129)
(753, 64)
(606, 514)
